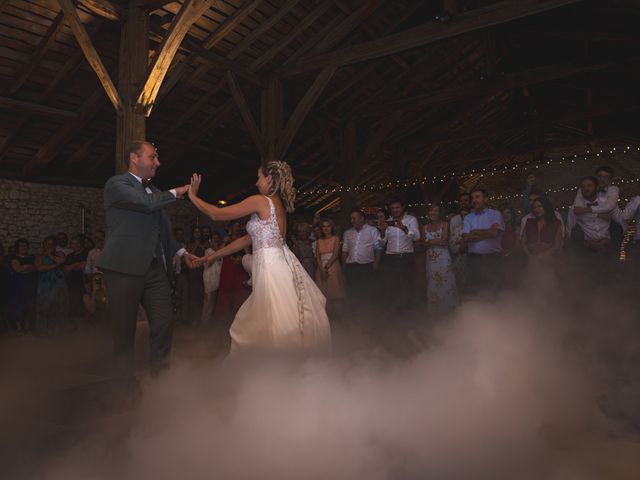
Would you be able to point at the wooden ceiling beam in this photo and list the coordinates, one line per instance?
(230, 23)
(264, 26)
(90, 53)
(302, 109)
(152, 4)
(42, 48)
(3, 3)
(317, 12)
(58, 140)
(245, 112)
(225, 63)
(29, 107)
(104, 9)
(472, 133)
(347, 26)
(517, 80)
(476, 19)
(70, 66)
(195, 106)
(190, 11)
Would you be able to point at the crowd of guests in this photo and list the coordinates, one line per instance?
(392, 261)
(389, 260)
(50, 291)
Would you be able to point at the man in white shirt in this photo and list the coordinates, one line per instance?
(606, 203)
(90, 267)
(398, 264)
(595, 226)
(358, 255)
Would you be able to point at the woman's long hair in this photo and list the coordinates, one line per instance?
(282, 182)
(549, 211)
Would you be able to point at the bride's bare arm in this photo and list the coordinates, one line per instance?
(235, 246)
(246, 207)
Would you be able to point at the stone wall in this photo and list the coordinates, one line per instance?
(34, 211)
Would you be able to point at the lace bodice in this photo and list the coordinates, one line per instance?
(265, 233)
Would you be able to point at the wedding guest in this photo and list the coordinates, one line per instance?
(532, 183)
(456, 244)
(232, 291)
(329, 273)
(206, 235)
(87, 243)
(534, 195)
(94, 299)
(53, 297)
(211, 276)
(606, 203)
(594, 234)
(542, 237)
(24, 282)
(74, 267)
(358, 256)
(482, 233)
(302, 248)
(315, 235)
(62, 243)
(93, 256)
(398, 266)
(511, 230)
(442, 293)
(197, 247)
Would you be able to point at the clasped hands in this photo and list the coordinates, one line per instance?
(194, 261)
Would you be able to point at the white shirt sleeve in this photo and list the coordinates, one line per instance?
(630, 210)
(181, 252)
(412, 229)
(610, 201)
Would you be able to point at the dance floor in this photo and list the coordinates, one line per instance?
(57, 392)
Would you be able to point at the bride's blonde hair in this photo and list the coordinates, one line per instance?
(282, 182)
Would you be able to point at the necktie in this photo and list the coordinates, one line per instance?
(147, 183)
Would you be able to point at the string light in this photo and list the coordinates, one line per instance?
(486, 171)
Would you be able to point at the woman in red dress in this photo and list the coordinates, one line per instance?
(542, 236)
(232, 291)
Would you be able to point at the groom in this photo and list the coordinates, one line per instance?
(137, 258)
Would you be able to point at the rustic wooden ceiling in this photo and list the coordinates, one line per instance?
(404, 93)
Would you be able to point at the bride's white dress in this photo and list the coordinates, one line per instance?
(286, 310)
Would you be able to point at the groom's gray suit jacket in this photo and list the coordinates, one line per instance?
(135, 223)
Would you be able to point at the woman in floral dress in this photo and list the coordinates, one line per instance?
(442, 293)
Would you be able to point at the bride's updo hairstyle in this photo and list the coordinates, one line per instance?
(282, 182)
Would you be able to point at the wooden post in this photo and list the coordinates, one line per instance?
(133, 62)
(271, 117)
(349, 157)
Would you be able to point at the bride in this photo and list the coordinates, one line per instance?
(285, 310)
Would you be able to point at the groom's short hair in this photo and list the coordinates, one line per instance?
(136, 147)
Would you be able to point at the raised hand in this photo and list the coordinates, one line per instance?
(180, 191)
(196, 179)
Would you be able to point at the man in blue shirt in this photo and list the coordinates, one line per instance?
(482, 233)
